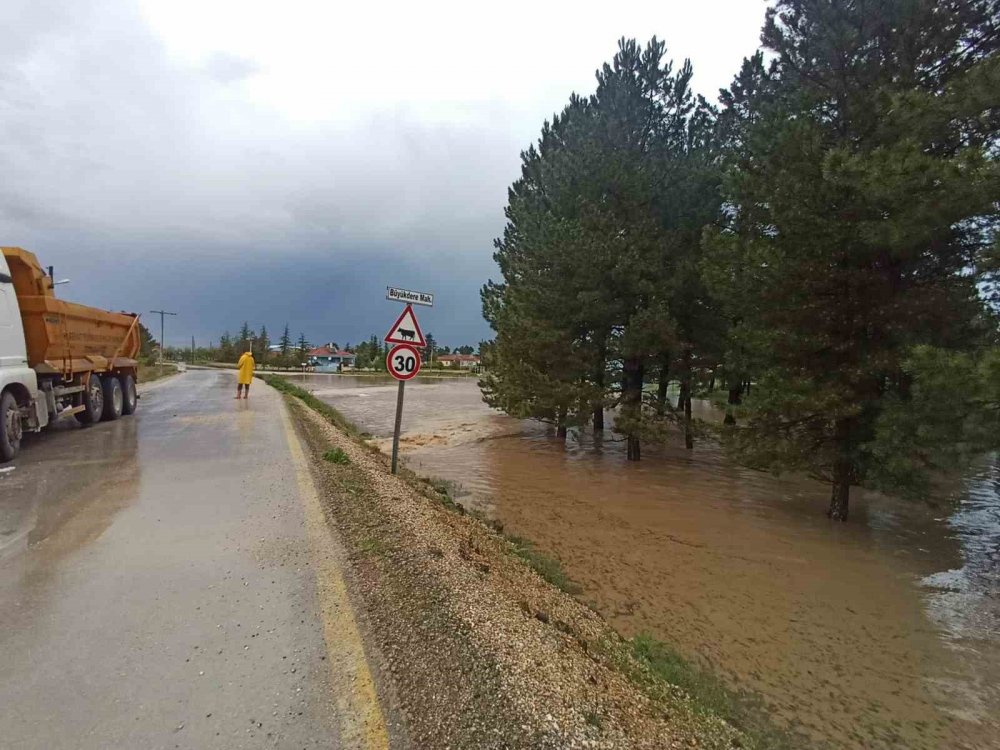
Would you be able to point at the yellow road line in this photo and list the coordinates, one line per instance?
(361, 722)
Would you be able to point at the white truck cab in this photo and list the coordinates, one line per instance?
(18, 382)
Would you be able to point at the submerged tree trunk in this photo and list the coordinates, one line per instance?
(662, 384)
(599, 382)
(561, 426)
(840, 495)
(688, 433)
(684, 401)
(734, 400)
(634, 448)
(632, 402)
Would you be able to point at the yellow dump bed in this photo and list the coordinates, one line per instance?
(63, 337)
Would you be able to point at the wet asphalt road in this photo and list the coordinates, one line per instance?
(156, 586)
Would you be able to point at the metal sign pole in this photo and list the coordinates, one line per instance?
(399, 421)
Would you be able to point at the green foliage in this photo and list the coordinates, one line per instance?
(337, 456)
(861, 199)
(147, 344)
(369, 354)
(302, 348)
(600, 254)
(286, 344)
(951, 414)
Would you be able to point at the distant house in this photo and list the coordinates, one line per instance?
(462, 361)
(325, 359)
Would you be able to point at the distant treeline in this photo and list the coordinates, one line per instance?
(822, 243)
(289, 352)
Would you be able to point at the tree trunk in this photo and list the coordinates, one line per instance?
(634, 450)
(688, 434)
(735, 399)
(684, 401)
(561, 426)
(662, 384)
(841, 492)
(632, 401)
(839, 499)
(599, 372)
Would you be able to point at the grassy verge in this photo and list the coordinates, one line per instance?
(655, 667)
(149, 373)
(709, 693)
(546, 566)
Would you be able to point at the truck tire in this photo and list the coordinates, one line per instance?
(93, 401)
(114, 398)
(130, 399)
(10, 427)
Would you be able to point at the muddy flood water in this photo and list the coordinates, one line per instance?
(880, 633)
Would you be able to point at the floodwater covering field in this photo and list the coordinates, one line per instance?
(883, 632)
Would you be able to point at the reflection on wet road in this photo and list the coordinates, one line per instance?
(879, 633)
(156, 589)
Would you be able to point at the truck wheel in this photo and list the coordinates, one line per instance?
(130, 399)
(114, 399)
(93, 401)
(10, 427)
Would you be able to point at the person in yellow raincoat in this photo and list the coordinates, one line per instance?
(245, 376)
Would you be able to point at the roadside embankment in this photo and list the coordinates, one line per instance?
(472, 644)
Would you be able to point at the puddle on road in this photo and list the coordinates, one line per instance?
(880, 633)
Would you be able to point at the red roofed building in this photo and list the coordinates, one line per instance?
(326, 359)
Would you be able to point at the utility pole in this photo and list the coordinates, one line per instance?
(161, 313)
(192, 350)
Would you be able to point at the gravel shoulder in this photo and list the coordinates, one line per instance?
(471, 648)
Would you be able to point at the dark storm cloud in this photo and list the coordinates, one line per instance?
(150, 183)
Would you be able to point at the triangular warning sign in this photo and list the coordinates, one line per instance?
(406, 330)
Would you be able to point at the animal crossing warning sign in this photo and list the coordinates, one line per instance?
(406, 330)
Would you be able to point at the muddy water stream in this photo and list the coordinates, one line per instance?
(880, 633)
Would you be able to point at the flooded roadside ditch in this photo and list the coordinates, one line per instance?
(880, 633)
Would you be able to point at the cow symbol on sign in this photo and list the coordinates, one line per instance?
(406, 330)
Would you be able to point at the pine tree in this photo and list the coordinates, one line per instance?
(302, 348)
(147, 344)
(430, 349)
(286, 344)
(862, 203)
(600, 256)
(263, 344)
(227, 350)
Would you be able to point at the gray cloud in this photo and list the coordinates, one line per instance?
(154, 181)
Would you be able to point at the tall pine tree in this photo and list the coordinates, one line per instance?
(858, 214)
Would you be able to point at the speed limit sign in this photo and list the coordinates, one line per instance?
(403, 362)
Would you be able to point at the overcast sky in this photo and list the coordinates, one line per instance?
(240, 160)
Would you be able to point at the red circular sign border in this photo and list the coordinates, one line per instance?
(394, 350)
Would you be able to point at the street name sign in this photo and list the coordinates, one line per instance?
(411, 298)
(406, 330)
(403, 362)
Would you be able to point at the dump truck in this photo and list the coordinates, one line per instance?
(58, 359)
